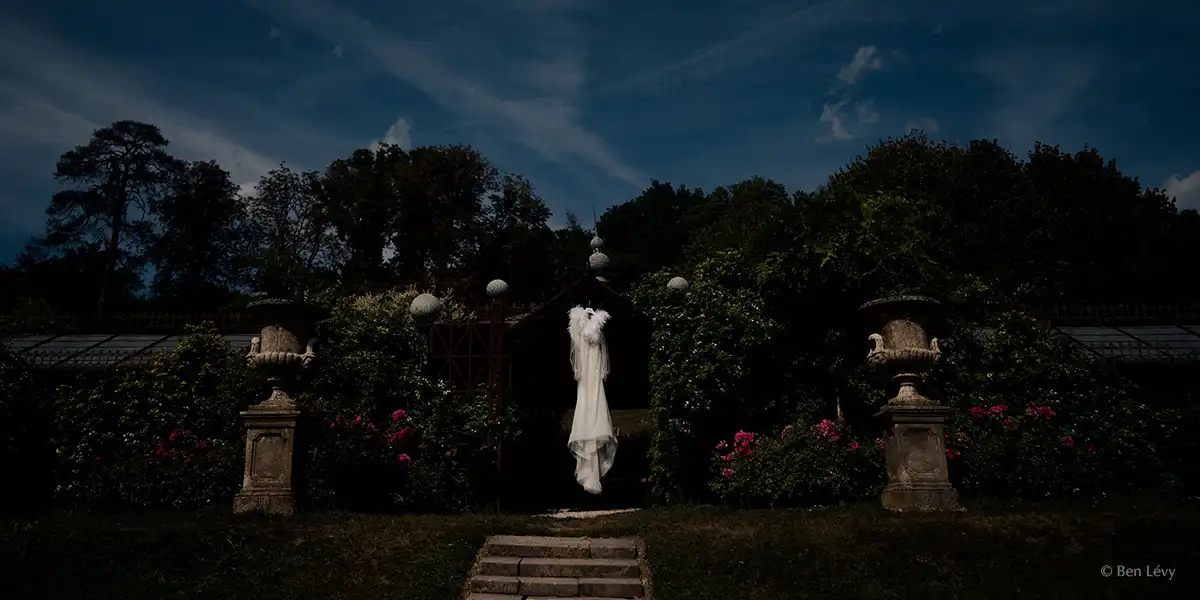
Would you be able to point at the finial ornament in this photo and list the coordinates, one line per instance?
(598, 262)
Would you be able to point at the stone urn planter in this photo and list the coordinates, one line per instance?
(904, 347)
(283, 349)
(915, 450)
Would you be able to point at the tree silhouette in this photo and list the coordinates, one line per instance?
(116, 175)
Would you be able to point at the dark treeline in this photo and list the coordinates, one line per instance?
(136, 228)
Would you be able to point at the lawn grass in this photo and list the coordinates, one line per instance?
(694, 553)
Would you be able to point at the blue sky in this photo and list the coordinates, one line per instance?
(591, 99)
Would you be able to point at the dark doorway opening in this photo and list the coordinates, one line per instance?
(539, 470)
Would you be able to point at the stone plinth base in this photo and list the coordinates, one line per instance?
(271, 503)
(916, 458)
(270, 449)
(919, 497)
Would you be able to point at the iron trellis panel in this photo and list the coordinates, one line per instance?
(460, 354)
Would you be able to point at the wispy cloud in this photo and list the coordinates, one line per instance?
(762, 40)
(1035, 88)
(66, 89)
(1185, 190)
(832, 114)
(274, 33)
(548, 125)
(337, 50)
(54, 95)
(866, 112)
(925, 124)
(544, 6)
(866, 58)
(399, 134)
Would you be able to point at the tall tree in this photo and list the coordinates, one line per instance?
(298, 250)
(649, 232)
(729, 217)
(1108, 231)
(41, 281)
(569, 252)
(114, 175)
(442, 192)
(515, 241)
(1057, 225)
(199, 250)
(363, 201)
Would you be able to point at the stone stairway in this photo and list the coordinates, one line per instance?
(512, 567)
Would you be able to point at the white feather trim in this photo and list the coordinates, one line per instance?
(594, 327)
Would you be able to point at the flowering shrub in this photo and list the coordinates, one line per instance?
(369, 461)
(166, 435)
(25, 425)
(799, 466)
(998, 451)
(379, 433)
(704, 349)
(1035, 417)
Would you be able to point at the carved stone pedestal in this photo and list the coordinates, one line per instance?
(915, 453)
(270, 446)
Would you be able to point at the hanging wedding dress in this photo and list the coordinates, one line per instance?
(591, 440)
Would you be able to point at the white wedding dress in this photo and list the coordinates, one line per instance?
(592, 441)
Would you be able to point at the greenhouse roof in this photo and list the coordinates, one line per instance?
(1134, 344)
(1149, 343)
(101, 351)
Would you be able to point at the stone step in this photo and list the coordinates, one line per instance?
(556, 587)
(525, 546)
(499, 565)
(578, 567)
(513, 566)
(498, 597)
(610, 587)
(494, 584)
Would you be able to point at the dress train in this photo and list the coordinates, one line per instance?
(591, 441)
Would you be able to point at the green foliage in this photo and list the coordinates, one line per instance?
(704, 343)
(801, 465)
(650, 232)
(166, 435)
(199, 249)
(373, 364)
(24, 433)
(882, 244)
(1098, 437)
(377, 432)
